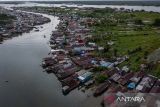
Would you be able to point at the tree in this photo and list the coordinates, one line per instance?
(106, 48)
(156, 22)
(99, 69)
(1, 39)
(100, 78)
(139, 22)
(146, 54)
(115, 52)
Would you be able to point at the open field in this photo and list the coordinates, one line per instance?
(132, 33)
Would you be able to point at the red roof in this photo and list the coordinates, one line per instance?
(110, 99)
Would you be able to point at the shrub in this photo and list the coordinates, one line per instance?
(156, 22)
(100, 78)
(139, 22)
(99, 69)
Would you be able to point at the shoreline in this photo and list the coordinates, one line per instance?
(63, 59)
(21, 25)
(71, 61)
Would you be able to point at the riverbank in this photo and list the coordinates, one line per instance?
(75, 43)
(21, 22)
(72, 52)
(41, 89)
(27, 84)
(120, 33)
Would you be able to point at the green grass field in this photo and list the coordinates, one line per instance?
(127, 38)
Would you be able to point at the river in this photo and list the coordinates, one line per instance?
(31, 4)
(22, 80)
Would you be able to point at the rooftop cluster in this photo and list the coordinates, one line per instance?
(14, 22)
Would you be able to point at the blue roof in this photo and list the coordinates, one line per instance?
(131, 85)
(104, 63)
(93, 61)
(85, 77)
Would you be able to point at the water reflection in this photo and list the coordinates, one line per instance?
(27, 85)
(23, 82)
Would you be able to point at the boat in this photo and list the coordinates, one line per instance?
(102, 88)
(70, 83)
(47, 63)
(36, 30)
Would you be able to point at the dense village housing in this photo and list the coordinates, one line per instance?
(74, 60)
(97, 49)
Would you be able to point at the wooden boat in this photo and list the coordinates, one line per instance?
(102, 88)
